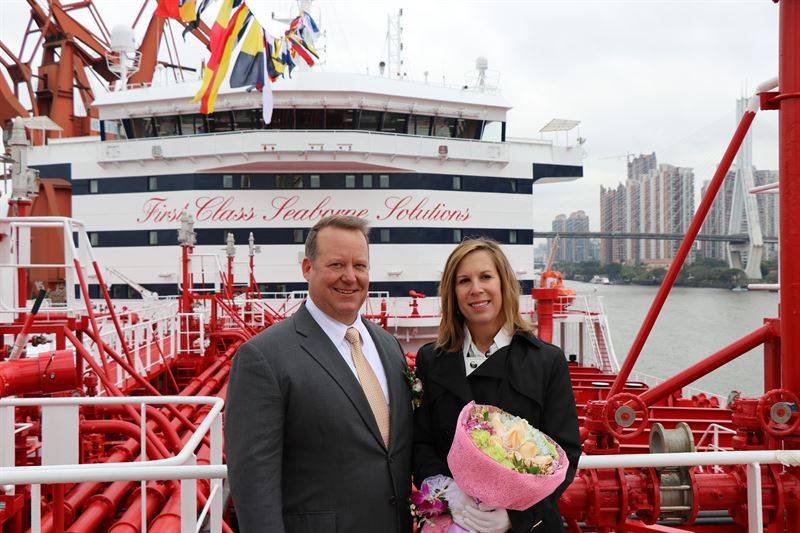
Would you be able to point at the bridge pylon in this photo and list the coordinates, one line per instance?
(744, 209)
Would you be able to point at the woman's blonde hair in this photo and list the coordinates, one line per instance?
(451, 328)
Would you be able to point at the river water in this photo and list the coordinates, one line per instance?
(693, 324)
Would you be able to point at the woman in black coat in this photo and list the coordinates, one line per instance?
(488, 353)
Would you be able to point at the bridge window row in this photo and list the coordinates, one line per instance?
(298, 236)
(178, 182)
(303, 119)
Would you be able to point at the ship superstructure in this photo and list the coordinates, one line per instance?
(111, 410)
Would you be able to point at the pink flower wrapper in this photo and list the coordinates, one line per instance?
(493, 484)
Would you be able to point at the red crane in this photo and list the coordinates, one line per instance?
(68, 51)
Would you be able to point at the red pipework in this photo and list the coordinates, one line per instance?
(186, 296)
(90, 313)
(789, 172)
(683, 252)
(707, 365)
(545, 298)
(130, 521)
(111, 312)
(44, 374)
(157, 417)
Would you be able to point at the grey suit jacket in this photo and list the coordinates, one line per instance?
(303, 449)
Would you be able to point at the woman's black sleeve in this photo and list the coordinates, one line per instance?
(560, 422)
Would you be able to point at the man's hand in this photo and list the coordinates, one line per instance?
(488, 521)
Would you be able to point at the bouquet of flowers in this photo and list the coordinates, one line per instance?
(502, 461)
(496, 458)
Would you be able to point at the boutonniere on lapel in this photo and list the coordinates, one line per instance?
(414, 385)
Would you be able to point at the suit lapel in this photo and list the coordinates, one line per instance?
(319, 346)
(395, 378)
(448, 370)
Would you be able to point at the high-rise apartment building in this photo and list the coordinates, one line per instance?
(613, 215)
(768, 211)
(718, 218)
(572, 249)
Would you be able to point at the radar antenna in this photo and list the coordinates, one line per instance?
(123, 58)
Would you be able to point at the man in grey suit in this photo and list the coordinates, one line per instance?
(318, 414)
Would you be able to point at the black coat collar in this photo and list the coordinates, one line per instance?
(448, 370)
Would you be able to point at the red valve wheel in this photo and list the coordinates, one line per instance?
(619, 415)
(778, 412)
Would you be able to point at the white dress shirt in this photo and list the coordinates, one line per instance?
(473, 358)
(335, 330)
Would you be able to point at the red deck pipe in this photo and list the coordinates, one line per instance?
(44, 374)
(683, 251)
(112, 313)
(139, 379)
(707, 365)
(789, 172)
(90, 312)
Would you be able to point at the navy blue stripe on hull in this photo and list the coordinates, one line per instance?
(394, 288)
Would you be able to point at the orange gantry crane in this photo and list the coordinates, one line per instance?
(68, 52)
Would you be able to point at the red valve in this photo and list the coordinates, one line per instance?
(777, 412)
(618, 415)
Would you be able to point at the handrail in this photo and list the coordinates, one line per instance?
(9, 473)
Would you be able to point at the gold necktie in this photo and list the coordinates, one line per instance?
(370, 384)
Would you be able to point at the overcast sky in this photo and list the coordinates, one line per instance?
(641, 75)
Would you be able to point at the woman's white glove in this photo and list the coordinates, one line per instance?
(458, 503)
(488, 521)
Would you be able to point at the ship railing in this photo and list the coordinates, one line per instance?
(191, 339)
(575, 317)
(188, 473)
(652, 381)
(307, 141)
(59, 454)
(151, 341)
(712, 432)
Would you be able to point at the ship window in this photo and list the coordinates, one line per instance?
(93, 186)
(383, 181)
(385, 235)
(395, 122)
(193, 124)
(457, 235)
(468, 129)
(282, 119)
(227, 181)
(350, 181)
(314, 181)
(366, 181)
(339, 119)
(512, 236)
(456, 183)
(493, 132)
(443, 126)
(309, 119)
(369, 120)
(245, 119)
(152, 183)
(280, 182)
(297, 181)
(167, 126)
(246, 181)
(298, 236)
(93, 239)
(143, 127)
(152, 238)
(220, 121)
(419, 125)
(513, 185)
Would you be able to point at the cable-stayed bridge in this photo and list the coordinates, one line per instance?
(734, 239)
